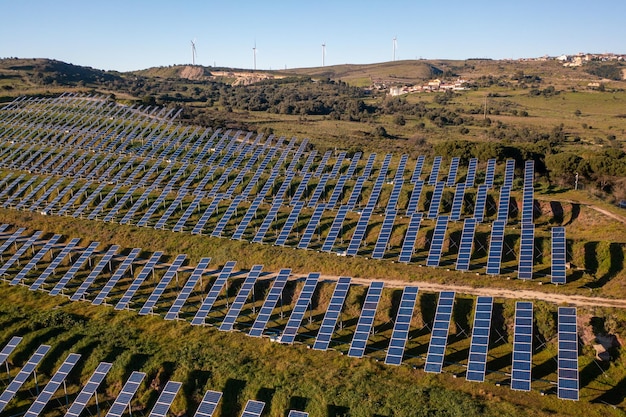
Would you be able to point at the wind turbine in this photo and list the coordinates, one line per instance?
(395, 45)
(324, 54)
(193, 52)
(254, 55)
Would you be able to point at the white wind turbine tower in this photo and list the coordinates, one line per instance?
(395, 45)
(254, 55)
(324, 54)
(193, 52)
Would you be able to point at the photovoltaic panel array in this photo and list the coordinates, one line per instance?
(490, 173)
(209, 403)
(479, 345)
(244, 291)
(297, 314)
(51, 387)
(184, 294)
(359, 232)
(162, 285)
(18, 253)
(332, 314)
(526, 252)
(434, 172)
(412, 207)
(439, 335)
(436, 244)
(253, 409)
(466, 244)
(269, 218)
(119, 273)
(122, 402)
(529, 192)
(401, 327)
(457, 202)
(9, 348)
(289, 223)
(384, 235)
(481, 203)
(147, 269)
(408, 244)
(454, 167)
(366, 320)
(165, 399)
(269, 304)
(494, 257)
(559, 256)
(221, 224)
(86, 255)
(335, 229)
(568, 384)
(311, 226)
(435, 200)
(522, 346)
(470, 178)
(19, 380)
(509, 172)
(504, 203)
(214, 292)
(88, 390)
(35, 259)
(294, 413)
(67, 249)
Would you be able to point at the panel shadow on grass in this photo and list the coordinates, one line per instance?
(230, 398)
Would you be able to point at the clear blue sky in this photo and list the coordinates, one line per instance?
(129, 35)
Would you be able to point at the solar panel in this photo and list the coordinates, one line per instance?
(80, 292)
(240, 300)
(481, 203)
(526, 252)
(494, 258)
(366, 320)
(336, 194)
(285, 185)
(308, 162)
(211, 297)
(436, 244)
(11, 239)
(184, 294)
(509, 172)
(78, 194)
(490, 173)
(408, 244)
(319, 190)
(247, 218)
(434, 172)
(15, 195)
(470, 178)
(294, 413)
(522, 346)
(270, 303)
(253, 409)
(559, 256)
(465, 247)
(122, 402)
(204, 218)
(22, 376)
(160, 224)
(368, 166)
(335, 229)
(457, 203)
(322, 165)
(412, 207)
(297, 196)
(401, 326)
(435, 200)
(147, 269)
(102, 204)
(165, 399)
(311, 226)
(120, 203)
(88, 390)
(504, 203)
(332, 314)
(567, 383)
(384, 235)
(297, 314)
(335, 171)
(73, 269)
(45, 195)
(55, 382)
(454, 167)
(395, 194)
(117, 275)
(152, 209)
(162, 285)
(9, 348)
(88, 200)
(289, 223)
(16, 256)
(35, 259)
(356, 192)
(267, 222)
(67, 249)
(208, 405)
(221, 224)
(180, 224)
(439, 335)
(528, 205)
(359, 232)
(479, 345)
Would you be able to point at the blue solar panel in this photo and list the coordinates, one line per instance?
(322, 165)
(465, 247)
(436, 244)
(401, 166)
(337, 166)
(120, 204)
(401, 327)
(439, 335)
(412, 207)
(244, 291)
(9, 348)
(457, 203)
(435, 200)
(479, 345)
(119, 273)
(434, 172)
(171, 272)
(470, 178)
(51, 387)
(19, 380)
(408, 244)
(267, 222)
(106, 259)
(481, 203)
(509, 172)
(214, 292)
(526, 252)
(11, 239)
(504, 203)
(208, 405)
(160, 224)
(147, 269)
(395, 194)
(302, 187)
(221, 224)
(559, 256)
(85, 255)
(528, 205)
(205, 216)
(366, 320)
(165, 399)
(289, 223)
(253, 409)
(359, 232)
(384, 235)
(91, 197)
(319, 190)
(184, 294)
(332, 314)
(367, 171)
(22, 250)
(568, 383)
(490, 173)
(74, 198)
(356, 192)
(247, 218)
(151, 210)
(308, 162)
(46, 194)
(297, 314)
(88, 390)
(335, 229)
(294, 413)
(35, 259)
(122, 402)
(270, 303)
(353, 164)
(310, 228)
(454, 167)
(522, 347)
(494, 258)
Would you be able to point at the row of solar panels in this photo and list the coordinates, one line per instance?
(122, 402)
(434, 361)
